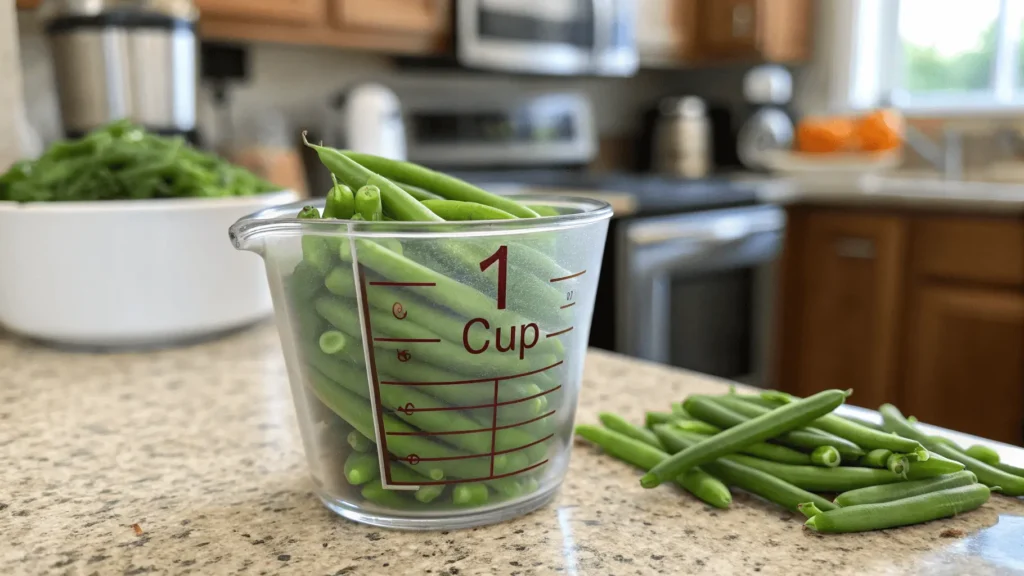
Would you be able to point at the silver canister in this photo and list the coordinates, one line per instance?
(683, 145)
(124, 59)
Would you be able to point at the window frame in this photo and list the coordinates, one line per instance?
(1003, 95)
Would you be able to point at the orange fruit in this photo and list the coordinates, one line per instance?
(880, 130)
(824, 135)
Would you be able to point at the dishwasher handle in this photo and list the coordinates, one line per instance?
(717, 230)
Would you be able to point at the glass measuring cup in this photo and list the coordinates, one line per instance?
(435, 367)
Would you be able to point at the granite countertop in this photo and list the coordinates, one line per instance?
(908, 192)
(189, 462)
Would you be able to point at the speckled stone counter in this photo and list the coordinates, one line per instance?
(189, 462)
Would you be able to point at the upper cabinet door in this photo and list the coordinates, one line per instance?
(729, 28)
(666, 30)
(414, 16)
(291, 11)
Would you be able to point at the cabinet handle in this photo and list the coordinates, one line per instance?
(860, 248)
(742, 19)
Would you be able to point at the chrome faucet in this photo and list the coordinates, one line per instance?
(947, 158)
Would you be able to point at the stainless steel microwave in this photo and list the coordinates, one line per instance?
(567, 37)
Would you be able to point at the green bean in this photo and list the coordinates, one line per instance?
(619, 424)
(898, 464)
(984, 453)
(646, 456)
(438, 183)
(935, 465)
(543, 210)
(341, 202)
(818, 479)
(395, 200)
(315, 250)
(470, 494)
(418, 193)
(305, 280)
(861, 435)
(762, 450)
(898, 491)
(697, 427)
(454, 210)
(368, 203)
(913, 510)
(711, 409)
(877, 458)
(1010, 469)
(1011, 484)
(735, 474)
(826, 456)
(678, 410)
(332, 342)
(758, 429)
(356, 411)
(358, 442)
(652, 418)
(361, 468)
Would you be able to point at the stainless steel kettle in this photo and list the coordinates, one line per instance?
(119, 59)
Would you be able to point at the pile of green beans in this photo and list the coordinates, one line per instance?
(122, 161)
(434, 434)
(790, 451)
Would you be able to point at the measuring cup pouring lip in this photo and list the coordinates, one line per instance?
(281, 220)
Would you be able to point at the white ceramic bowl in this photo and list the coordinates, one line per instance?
(129, 273)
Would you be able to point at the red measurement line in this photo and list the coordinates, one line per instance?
(477, 431)
(494, 425)
(474, 381)
(373, 371)
(426, 340)
(534, 443)
(569, 277)
(559, 333)
(408, 411)
(569, 305)
(403, 284)
(464, 480)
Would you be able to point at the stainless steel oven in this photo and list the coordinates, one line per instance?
(695, 290)
(548, 36)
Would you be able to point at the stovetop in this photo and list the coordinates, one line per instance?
(653, 194)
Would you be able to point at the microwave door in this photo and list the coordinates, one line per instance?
(538, 36)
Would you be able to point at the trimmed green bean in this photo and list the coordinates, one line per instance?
(898, 464)
(762, 450)
(361, 467)
(826, 456)
(418, 193)
(1011, 484)
(376, 493)
(984, 453)
(333, 342)
(441, 184)
(395, 200)
(619, 424)
(645, 456)
(877, 458)
(900, 490)
(678, 410)
(904, 512)
(1010, 469)
(712, 409)
(368, 203)
(735, 474)
(652, 418)
(697, 427)
(543, 210)
(470, 494)
(341, 202)
(315, 250)
(818, 479)
(758, 429)
(935, 465)
(358, 442)
(455, 210)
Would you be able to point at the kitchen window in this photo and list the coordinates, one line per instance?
(953, 55)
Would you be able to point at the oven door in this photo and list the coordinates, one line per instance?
(548, 36)
(695, 290)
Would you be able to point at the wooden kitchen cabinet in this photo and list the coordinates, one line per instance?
(290, 11)
(922, 310)
(668, 31)
(965, 360)
(842, 289)
(773, 30)
(427, 17)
